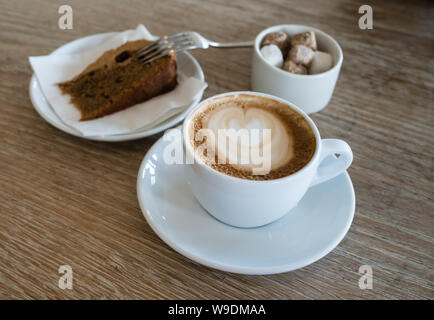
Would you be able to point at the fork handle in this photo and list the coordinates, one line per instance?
(244, 44)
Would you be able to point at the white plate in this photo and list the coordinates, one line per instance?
(186, 64)
(307, 233)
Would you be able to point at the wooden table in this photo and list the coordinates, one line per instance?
(65, 200)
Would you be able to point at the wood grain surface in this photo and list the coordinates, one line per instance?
(65, 200)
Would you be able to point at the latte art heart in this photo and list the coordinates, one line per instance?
(251, 137)
(243, 131)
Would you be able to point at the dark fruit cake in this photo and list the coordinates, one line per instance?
(118, 80)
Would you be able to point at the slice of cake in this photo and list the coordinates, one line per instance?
(118, 80)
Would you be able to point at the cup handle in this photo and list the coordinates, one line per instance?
(330, 147)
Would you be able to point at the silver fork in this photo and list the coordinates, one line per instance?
(182, 41)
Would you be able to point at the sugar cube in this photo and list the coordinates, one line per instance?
(301, 54)
(321, 62)
(293, 67)
(272, 54)
(305, 38)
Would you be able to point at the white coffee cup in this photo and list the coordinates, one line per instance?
(251, 203)
(311, 93)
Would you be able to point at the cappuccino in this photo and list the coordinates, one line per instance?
(251, 137)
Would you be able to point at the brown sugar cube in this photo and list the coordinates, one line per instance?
(279, 39)
(293, 67)
(305, 38)
(301, 54)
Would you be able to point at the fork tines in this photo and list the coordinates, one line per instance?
(163, 46)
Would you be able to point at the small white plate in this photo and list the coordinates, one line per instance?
(307, 233)
(186, 64)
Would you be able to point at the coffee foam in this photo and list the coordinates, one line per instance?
(231, 116)
(291, 143)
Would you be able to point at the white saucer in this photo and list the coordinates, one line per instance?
(307, 233)
(186, 64)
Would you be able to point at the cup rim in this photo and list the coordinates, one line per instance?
(261, 35)
(189, 148)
